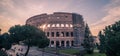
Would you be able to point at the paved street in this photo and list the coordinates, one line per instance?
(34, 51)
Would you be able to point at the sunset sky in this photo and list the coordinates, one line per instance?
(97, 13)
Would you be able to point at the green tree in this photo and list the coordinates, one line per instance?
(88, 40)
(5, 41)
(30, 35)
(3, 53)
(112, 39)
(4, 44)
(101, 47)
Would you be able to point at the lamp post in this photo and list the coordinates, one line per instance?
(0, 31)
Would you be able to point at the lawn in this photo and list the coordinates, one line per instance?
(69, 51)
(73, 51)
(95, 54)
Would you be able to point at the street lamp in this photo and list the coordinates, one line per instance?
(0, 31)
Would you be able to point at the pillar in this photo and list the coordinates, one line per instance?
(70, 43)
(50, 44)
(54, 43)
(64, 43)
(60, 43)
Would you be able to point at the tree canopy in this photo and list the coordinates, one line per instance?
(88, 40)
(101, 47)
(5, 44)
(111, 35)
(5, 41)
(30, 35)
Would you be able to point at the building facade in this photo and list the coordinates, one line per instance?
(63, 29)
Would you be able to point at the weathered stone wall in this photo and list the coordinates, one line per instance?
(58, 27)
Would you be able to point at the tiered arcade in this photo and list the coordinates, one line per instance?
(59, 28)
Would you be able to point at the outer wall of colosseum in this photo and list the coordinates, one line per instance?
(63, 29)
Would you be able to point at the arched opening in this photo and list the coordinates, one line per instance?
(66, 25)
(62, 44)
(52, 34)
(57, 43)
(48, 25)
(62, 25)
(62, 34)
(72, 43)
(67, 34)
(57, 34)
(67, 44)
(57, 25)
(53, 25)
(71, 25)
(47, 34)
(71, 34)
(52, 42)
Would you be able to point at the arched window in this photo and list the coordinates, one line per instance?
(57, 34)
(62, 25)
(44, 26)
(48, 25)
(66, 25)
(40, 26)
(71, 34)
(52, 34)
(57, 25)
(48, 34)
(71, 25)
(67, 34)
(53, 25)
(52, 42)
(62, 43)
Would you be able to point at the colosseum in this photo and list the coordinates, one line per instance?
(62, 28)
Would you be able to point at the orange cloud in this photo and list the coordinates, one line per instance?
(6, 23)
(113, 15)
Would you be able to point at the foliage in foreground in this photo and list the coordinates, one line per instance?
(88, 40)
(30, 35)
(109, 40)
(5, 44)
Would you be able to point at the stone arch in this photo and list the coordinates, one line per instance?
(62, 43)
(67, 43)
(72, 43)
(52, 42)
(57, 43)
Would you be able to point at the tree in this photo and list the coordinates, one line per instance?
(101, 47)
(4, 44)
(88, 40)
(3, 53)
(112, 38)
(30, 35)
(6, 41)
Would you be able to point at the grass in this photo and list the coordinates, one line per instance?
(69, 51)
(66, 51)
(96, 54)
(73, 51)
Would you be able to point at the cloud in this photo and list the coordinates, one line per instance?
(6, 23)
(14, 12)
(111, 17)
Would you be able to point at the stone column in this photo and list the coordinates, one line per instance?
(65, 34)
(54, 43)
(70, 43)
(60, 43)
(65, 43)
(50, 44)
(55, 34)
(50, 34)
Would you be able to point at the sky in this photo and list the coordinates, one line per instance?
(97, 13)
